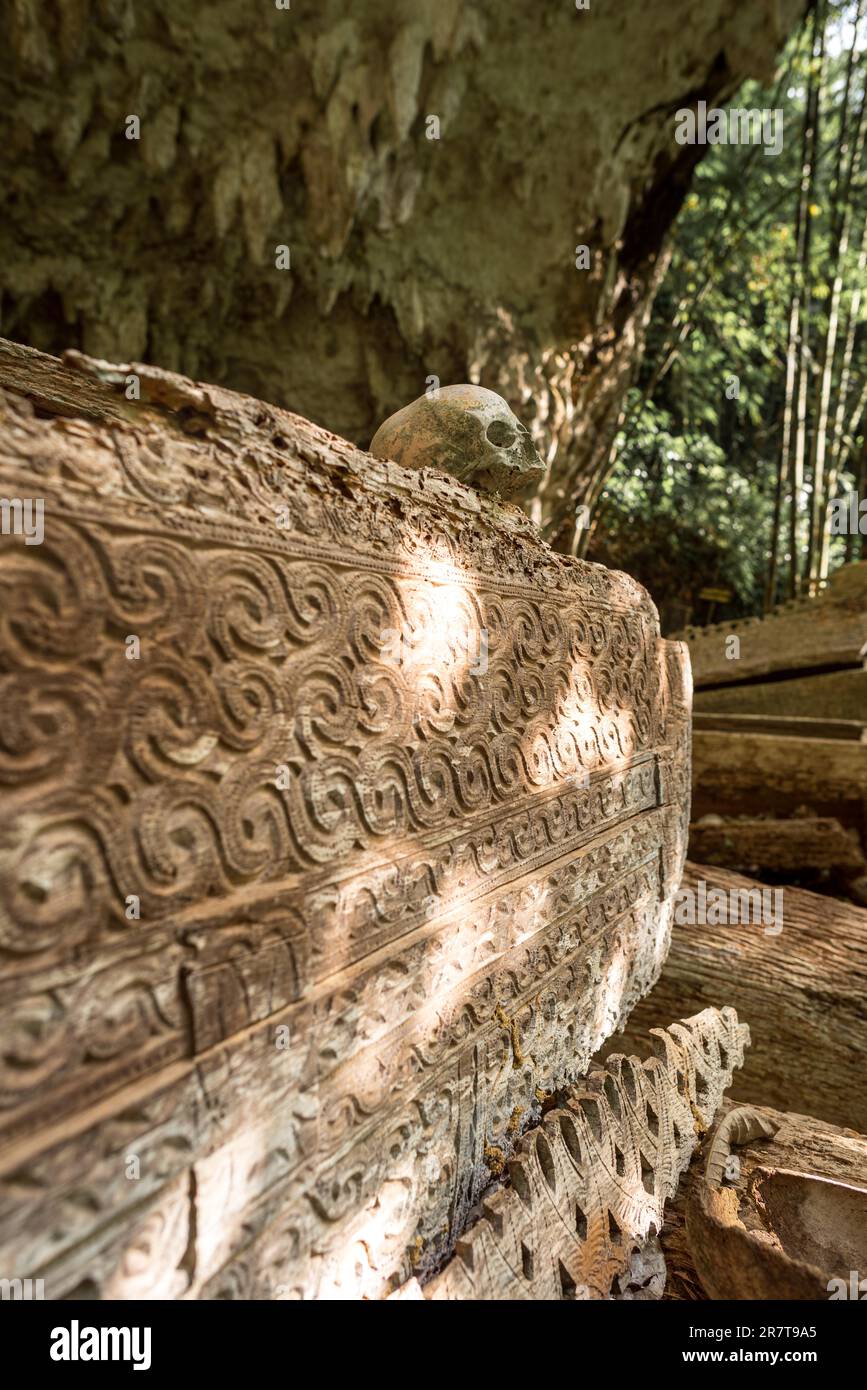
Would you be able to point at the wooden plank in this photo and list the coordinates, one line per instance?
(808, 634)
(851, 730)
(800, 990)
(733, 772)
(779, 846)
(831, 695)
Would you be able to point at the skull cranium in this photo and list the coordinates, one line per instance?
(469, 432)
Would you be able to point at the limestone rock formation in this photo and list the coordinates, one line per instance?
(342, 819)
(326, 204)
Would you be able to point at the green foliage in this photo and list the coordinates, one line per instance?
(690, 500)
(677, 517)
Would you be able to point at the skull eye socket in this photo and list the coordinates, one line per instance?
(500, 434)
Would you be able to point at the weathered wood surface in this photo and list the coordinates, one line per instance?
(807, 634)
(304, 908)
(850, 730)
(809, 777)
(777, 846)
(777, 1208)
(801, 992)
(786, 776)
(827, 695)
(728, 768)
(682, 1284)
(588, 1186)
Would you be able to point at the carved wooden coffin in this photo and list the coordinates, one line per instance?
(588, 1186)
(341, 822)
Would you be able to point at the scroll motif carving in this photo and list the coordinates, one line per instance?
(381, 771)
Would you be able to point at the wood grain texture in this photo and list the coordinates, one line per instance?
(785, 1217)
(793, 777)
(731, 767)
(779, 846)
(831, 695)
(802, 635)
(302, 909)
(806, 777)
(588, 1186)
(801, 993)
(850, 730)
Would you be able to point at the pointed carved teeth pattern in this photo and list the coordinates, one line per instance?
(589, 1184)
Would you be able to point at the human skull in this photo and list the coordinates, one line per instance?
(467, 431)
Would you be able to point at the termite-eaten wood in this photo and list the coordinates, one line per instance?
(342, 822)
(587, 1187)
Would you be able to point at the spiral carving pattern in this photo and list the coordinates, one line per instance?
(294, 740)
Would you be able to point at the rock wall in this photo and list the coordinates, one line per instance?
(308, 127)
(342, 819)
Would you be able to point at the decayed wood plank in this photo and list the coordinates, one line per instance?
(588, 1186)
(852, 730)
(776, 1207)
(832, 695)
(780, 846)
(369, 841)
(55, 389)
(801, 992)
(813, 788)
(682, 1283)
(731, 770)
(809, 634)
